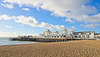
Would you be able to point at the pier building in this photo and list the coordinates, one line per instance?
(84, 34)
(55, 34)
(64, 34)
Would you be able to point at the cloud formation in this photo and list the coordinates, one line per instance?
(90, 25)
(76, 9)
(69, 20)
(26, 9)
(10, 6)
(5, 17)
(31, 21)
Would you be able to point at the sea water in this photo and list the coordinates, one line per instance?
(6, 41)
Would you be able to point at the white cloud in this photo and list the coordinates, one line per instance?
(86, 18)
(50, 26)
(34, 23)
(10, 6)
(31, 21)
(75, 9)
(8, 26)
(7, 34)
(69, 20)
(90, 25)
(71, 29)
(26, 20)
(4, 17)
(26, 9)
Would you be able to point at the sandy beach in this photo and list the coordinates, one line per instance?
(84, 48)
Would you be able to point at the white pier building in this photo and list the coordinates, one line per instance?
(55, 34)
(64, 34)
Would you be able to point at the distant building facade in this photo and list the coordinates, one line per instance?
(84, 34)
(64, 34)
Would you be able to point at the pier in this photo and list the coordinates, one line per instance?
(46, 39)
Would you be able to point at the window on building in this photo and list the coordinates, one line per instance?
(64, 35)
(75, 36)
(58, 36)
(79, 36)
(88, 36)
(83, 37)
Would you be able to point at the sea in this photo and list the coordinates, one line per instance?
(6, 41)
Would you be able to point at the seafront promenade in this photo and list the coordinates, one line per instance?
(82, 48)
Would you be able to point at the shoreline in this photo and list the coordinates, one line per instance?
(6, 41)
(35, 42)
(82, 48)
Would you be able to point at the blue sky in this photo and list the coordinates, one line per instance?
(23, 17)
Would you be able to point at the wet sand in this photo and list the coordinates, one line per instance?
(83, 48)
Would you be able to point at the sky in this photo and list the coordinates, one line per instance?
(32, 17)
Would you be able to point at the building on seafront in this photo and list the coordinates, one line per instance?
(72, 34)
(84, 34)
(97, 36)
(55, 34)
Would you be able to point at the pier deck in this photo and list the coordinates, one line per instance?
(46, 39)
